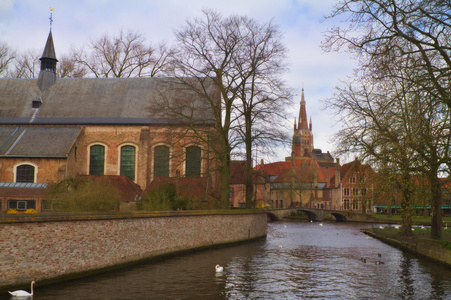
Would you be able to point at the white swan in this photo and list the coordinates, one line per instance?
(22, 293)
(320, 224)
(219, 269)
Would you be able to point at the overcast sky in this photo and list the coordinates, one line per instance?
(24, 24)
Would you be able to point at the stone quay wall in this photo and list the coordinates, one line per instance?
(54, 248)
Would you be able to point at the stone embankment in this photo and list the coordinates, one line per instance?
(427, 248)
(54, 247)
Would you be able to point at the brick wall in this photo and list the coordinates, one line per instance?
(45, 250)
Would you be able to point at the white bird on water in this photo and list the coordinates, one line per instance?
(320, 224)
(22, 293)
(219, 269)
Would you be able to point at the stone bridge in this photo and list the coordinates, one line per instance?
(320, 214)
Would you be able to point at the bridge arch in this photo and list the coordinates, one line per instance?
(339, 217)
(311, 215)
(272, 216)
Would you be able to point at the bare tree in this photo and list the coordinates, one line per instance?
(27, 64)
(68, 67)
(6, 58)
(401, 28)
(244, 59)
(124, 55)
(406, 42)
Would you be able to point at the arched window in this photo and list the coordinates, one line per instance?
(97, 160)
(128, 161)
(192, 161)
(25, 173)
(161, 161)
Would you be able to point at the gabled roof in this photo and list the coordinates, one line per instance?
(39, 141)
(101, 101)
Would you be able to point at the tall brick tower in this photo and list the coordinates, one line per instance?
(303, 135)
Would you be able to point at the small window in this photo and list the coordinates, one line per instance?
(21, 204)
(25, 173)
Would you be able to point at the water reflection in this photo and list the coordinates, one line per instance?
(335, 261)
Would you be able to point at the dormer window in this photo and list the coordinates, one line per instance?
(36, 103)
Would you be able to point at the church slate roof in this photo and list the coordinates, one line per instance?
(98, 101)
(36, 141)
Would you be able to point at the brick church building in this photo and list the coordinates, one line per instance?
(52, 129)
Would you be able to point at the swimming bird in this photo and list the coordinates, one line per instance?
(379, 255)
(22, 293)
(219, 269)
(378, 262)
(285, 226)
(380, 227)
(280, 245)
(422, 227)
(320, 224)
(396, 226)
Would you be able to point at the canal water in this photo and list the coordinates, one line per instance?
(298, 260)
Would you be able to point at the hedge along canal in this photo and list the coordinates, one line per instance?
(56, 247)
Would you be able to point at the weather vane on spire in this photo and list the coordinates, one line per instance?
(51, 17)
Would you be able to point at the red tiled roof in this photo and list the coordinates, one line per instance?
(22, 192)
(128, 190)
(274, 168)
(189, 187)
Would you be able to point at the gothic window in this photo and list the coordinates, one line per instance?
(25, 173)
(161, 161)
(193, 161)
(97, 160)
(128, 161)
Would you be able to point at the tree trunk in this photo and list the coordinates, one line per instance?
(406, 211)
(224, 196)
(249, 180)
(436, 207)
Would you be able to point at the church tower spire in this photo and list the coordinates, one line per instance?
(47, 76)
(302, 135)
(302, 113)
